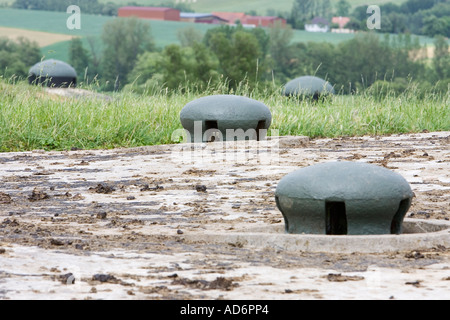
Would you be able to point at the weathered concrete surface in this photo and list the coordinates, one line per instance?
(128, 223)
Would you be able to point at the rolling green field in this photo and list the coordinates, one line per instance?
(260, 6)
(164, 32)
(32, 119)
(50, 21)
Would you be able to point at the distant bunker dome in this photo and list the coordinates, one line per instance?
(308, 86)
(53, 73)
(340, 198)
(225, 118)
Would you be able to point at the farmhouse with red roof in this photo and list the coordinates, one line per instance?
(154, 13)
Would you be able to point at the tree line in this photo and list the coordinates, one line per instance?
(257, 57)
(16, 57)
(421, 17)
(88, 6)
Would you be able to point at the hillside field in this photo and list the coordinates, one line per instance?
(260, 6)
(163, 32)
(42, 38)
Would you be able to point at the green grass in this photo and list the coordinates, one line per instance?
(30, 119)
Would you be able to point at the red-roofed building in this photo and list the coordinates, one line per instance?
(340, 21)
(250, 21)
(231, 17)
(153, 13)
(260, 21)
(201, 18)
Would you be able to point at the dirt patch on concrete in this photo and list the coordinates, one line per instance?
(124, 215)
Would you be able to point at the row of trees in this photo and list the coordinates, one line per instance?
(88, 6)
(16, 57)
(236, 54)
(256, 56)
(421, 17)
(304, 10)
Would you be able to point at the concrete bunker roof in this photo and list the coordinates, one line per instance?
(53, 68)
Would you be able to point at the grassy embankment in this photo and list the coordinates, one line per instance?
(31, 119)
